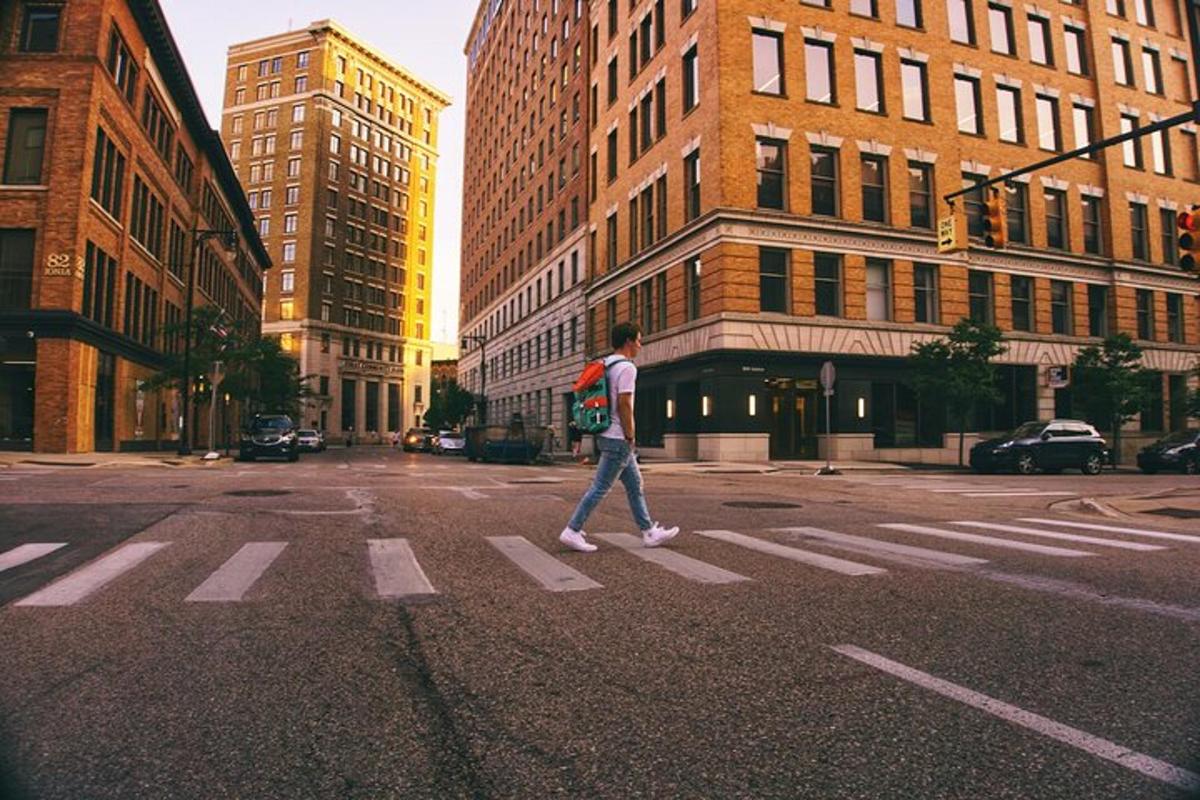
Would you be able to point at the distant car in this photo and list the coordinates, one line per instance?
(450, 442)
(270, 436)
(1177, 452)
(1047, 446)
(310, 441)
(417, 439)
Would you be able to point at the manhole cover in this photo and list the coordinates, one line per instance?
(1177, 513)
(759, 504)
(258, 493)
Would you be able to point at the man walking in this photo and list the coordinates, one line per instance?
(617, 456)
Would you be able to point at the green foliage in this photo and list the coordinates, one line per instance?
(1193, 399)
(449, 405)
(1109, 384)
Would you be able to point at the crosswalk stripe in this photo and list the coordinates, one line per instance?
(793, 553)
(397, 573)
(26, 553)
(1094, 745)
(544, 568)
(1020, 494)
(1069, 537)
(69, 590)
(686, 566)
(238, 574)
(884, 549)
(1091, 526)
(991, 541)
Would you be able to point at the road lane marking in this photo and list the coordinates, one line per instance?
(1068, 537)
(1094, 745)
(1079, 591)
(69, 590)
(235, 577)
(397, 573)
(892, 550)
(1091, 526)
(1020, 494)
(544, 568)
(691, 568)
(793, 553)
(991, 541)
(25, 553)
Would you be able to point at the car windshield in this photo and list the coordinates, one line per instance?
(279, 423)
(307, 433)
(1027, 431)
(1179, 437)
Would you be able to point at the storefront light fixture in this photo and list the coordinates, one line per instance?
(670, 409)
(862, 408)
(705, 406)
(753, 404)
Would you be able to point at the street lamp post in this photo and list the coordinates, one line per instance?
(482, 340)
(229, 239)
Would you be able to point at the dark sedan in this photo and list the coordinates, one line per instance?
(270, 436)
(1177, 452)
(1047, 446)
(418, 439)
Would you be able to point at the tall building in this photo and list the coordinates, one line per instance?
(337, 148)
(767, 182)
(524, 209)
(109, 168)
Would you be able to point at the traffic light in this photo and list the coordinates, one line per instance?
(1188, 224)
(995, 220)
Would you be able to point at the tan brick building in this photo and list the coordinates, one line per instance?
(336, 145)
(109, 166)
(523, 265)
(766, 180)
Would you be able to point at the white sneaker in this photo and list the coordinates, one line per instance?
(657, 534)
(575, 540)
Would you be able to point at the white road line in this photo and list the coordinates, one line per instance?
(1020, 494)
(883, 549)
(691, 568)
(544, 568)
(69, 590)
(1091, 526)
(991, 541)
(235, 577)
(793, 553)
(25, 553)
(1094, 745)
(397, 573)
(957, 489)
(1068, 537)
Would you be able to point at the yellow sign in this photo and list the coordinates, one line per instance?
(947, 242)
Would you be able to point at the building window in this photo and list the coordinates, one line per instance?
(868, 77)
(915, 89)
(827, 271)
(768, 62)
(1055, 201)
(824, 179)
(925, 293)
(1076, 45)
(979, 296)
(1061, 319)
(1122, 62)
(773, 280)
(1160, 152)
(1145, 314)
(1049, 133)
(772, 173)
(108, 174)
(611, 241)
(1041, 50)
(1175, 318)
(818, 72)
(1152, 71)
(1097, 310)
(1083, 117)
(1138, 231)
(1143, 12)
(692, 276)
(908, 13)
(1022, 302)
(612, 155)
(1017, 203)
(1008, 104)
(691, 185)
(968, 102)
(691, 78)
(1091, 226)
(874, 188)
(120, 65)
(866, 8)
(1132, 148)
(1166, 224)
(962, 21)
(1001, 27)
(16, 272)
(39, 33)
(920, 194)
(879, 289)
(26, 146)
(973, 202)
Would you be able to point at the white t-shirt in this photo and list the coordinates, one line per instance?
(622, 379)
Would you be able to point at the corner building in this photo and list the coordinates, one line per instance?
(766, 182)
(337, 148)
(524, 241)
(109, 167)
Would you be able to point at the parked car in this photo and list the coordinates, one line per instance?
(1047, 446)
(417, 439)
(269, 435)
(449, 442)
(310, 441)
(1179, 451)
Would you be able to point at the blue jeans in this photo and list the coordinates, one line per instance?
(616, 460)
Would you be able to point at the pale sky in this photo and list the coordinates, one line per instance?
(426, 39)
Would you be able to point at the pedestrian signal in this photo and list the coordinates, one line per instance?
(995, 220)
(1188, 224)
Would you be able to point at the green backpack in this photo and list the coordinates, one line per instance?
(590, 411)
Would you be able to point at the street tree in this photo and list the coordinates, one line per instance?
(1193, 400)
(449, 405)
(958, 371)
(1109, 384)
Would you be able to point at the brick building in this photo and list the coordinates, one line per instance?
(524, 208)
(109, 166)
(337, 148)
(765, 184)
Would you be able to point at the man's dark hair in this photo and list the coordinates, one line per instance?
(624, 332)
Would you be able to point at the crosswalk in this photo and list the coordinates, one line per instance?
(959, 487)
(397, 574)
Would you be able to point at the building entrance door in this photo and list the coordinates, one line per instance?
(793, 425)
(106, 381)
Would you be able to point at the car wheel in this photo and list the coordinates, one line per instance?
(1191, 466)
(1025, 464)
(1092, 464)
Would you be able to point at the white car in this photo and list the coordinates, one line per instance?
(451, 442)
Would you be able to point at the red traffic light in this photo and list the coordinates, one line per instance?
(1188, 223)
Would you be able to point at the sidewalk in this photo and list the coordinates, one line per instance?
(166, 459)
(1180, 505)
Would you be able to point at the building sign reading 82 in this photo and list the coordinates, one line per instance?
(59, 265)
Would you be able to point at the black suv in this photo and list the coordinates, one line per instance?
(1179, 451)
(1049, 446)
(271, 435)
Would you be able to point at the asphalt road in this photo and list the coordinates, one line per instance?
(371, 624)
